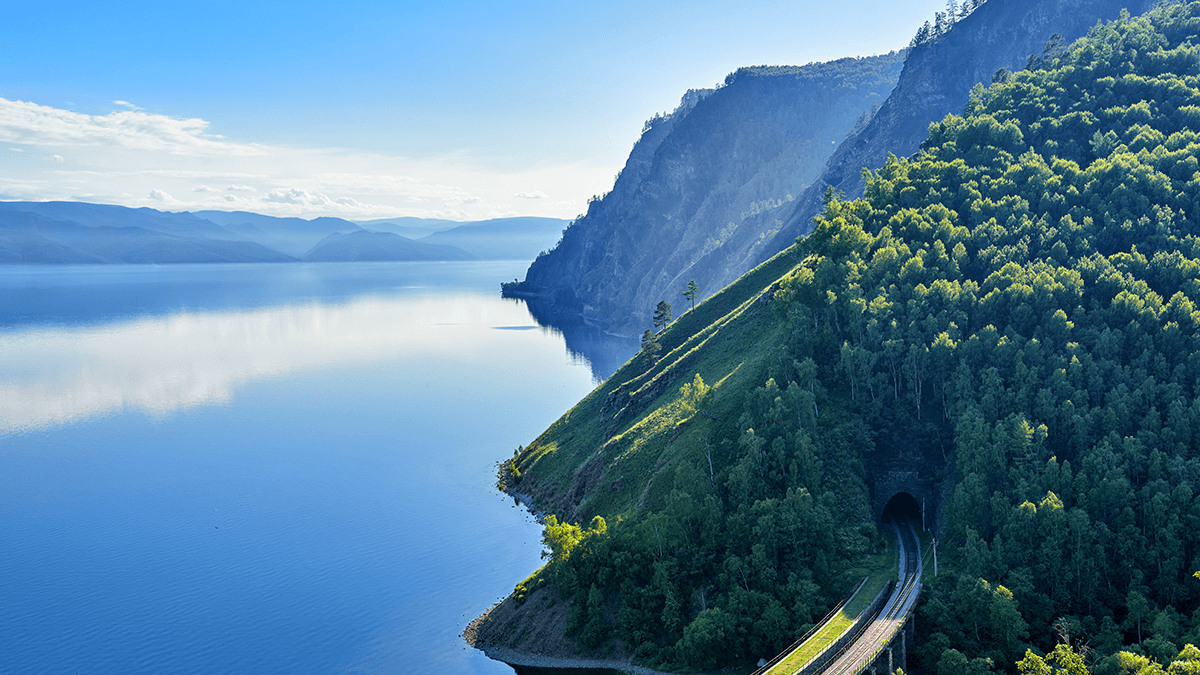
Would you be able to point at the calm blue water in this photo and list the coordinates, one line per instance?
(264, 468)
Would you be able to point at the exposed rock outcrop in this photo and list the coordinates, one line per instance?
(694, 181)
(704, 194)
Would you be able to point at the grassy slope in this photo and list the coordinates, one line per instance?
(617, 449)
(604, 456)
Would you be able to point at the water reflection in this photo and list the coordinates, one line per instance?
(603, 352)
(75, 294)
(161, 364)
(305, 483)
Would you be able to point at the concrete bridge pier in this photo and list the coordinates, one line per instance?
(883, 663)
(906, 636)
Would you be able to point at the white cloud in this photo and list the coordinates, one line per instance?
(135, 159)
(294, 196)
(33, 124)
(352, 204)
(194, 174)
(127, 104)
(58, 158)
(306, 198)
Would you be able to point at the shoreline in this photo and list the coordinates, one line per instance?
(515, 657)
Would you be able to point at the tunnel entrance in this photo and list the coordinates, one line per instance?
(902, 506)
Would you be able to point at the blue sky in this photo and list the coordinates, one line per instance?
(461, 110)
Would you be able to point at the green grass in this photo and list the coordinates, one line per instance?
(814, 645)
(616, 452)
(879, 570)
(624, 456)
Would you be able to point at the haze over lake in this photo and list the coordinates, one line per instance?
(264, 468)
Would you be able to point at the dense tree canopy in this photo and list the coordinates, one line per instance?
(1022, 296)
(1026, 287)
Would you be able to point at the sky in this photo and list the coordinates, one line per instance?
(362, 110)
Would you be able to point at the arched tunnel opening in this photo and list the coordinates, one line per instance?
(901, 507)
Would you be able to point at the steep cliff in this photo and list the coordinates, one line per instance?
(724, 158)
(693, 200)
(936, 80)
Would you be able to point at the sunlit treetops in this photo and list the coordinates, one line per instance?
(1015, 309)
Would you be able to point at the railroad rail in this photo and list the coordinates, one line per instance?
(861, 654)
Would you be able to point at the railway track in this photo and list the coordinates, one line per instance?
(858, 655)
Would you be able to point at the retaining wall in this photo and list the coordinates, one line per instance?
(856, 629)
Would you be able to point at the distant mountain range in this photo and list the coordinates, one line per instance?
(82, 233)
(365, 246)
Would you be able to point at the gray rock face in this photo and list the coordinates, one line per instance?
(936, 81)
(696, 178)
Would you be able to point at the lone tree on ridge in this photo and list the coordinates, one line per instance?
(693, 289)
(662, 315)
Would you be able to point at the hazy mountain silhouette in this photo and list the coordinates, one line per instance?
(80, 233)
(502, 238)
(27, 237)
(364, 246)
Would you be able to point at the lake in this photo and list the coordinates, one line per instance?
(266, 468)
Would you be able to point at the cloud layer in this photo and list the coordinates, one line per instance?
(32, 124)
(137, 158)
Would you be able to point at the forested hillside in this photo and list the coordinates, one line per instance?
(945, 60)
(1014, 309)
(728, 181)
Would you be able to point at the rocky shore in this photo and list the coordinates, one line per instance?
(523, 639)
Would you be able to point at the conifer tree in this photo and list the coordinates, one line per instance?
(662, 315)
(693, 289)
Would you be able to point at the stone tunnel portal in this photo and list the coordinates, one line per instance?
(902, 506)
(906, 491)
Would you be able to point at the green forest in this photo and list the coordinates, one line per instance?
(1018, 307)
